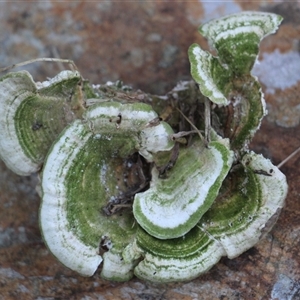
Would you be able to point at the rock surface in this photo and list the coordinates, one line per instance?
(145, 44)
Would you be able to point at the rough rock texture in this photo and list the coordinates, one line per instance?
(145, 44)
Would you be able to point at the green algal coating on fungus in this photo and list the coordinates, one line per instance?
(226, 79)
(34, 115)
(83, 172)
(174, 205)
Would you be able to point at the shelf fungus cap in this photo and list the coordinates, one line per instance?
(136, 119)
(248, 206)
(32, 115)
(242, 25)
(203, 66)
(172, 206)
(236, 38)
(83, 174)
(173, 260)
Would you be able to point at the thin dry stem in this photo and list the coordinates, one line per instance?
(189, 121)
(207, 119)
(44, 59)
(288, 158)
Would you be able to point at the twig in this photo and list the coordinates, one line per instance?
(288, 158)
(47, 59)
(207, 119)
(187, 119)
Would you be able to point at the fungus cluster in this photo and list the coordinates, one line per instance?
(120, 189)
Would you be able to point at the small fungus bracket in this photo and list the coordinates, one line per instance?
(247, 202)
(32, 116)
(228, 76)
(173, 206)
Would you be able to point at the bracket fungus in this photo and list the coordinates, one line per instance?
(82, 174)
(117, 186)
(228, 76)
(169, 208)
(245, 209)
(33, 114)
(248, 205)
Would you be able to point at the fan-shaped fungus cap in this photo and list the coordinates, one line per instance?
(171, 260)
(236, 38)
(248, 205)
(227, 78)
(32, 115)
(83, 172)
(172, 206)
